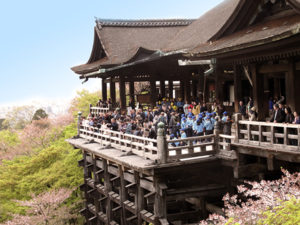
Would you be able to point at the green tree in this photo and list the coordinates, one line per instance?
(39, 114)
(19, 117)
(82, 101)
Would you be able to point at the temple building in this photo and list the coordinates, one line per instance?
(240, 49)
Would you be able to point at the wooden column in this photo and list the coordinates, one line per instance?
(237, 86)
(290, 86)
(219, 85)
(258, 91)
(171, 89)
(139, 197)
(113, 92)
(122, 93)
(194, 89)
(153, 92)
(160, 202)
(162, 87)
(182, 89)
(131, 89)
(108, 188)
(276, 87)
(104, 90)
(200, 93)
(123, 195)
(187, 90)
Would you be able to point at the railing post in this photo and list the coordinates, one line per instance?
(91, 108)
(78, 123)
(217, 137)
(162, 146)
(237, 118)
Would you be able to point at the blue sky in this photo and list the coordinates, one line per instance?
(41, 40)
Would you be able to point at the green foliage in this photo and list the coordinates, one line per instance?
(8, 139)
(83, 100)
(50, 168)
(18, 117)
(39, 114)
(288, 213)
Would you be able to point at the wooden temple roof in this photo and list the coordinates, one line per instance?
(230, 26)
(256, 35)
(121, 40)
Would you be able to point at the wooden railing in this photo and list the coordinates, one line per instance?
(96, 110)
(144, 147)
(191, 147)
(160, 149)
(271, 135)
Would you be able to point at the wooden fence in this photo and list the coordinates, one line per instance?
(96, 110)
(272, 135)
(159, 149)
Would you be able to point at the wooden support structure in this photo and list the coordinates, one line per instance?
(131, 90)
(237, 87)
(104, 90)
(171, 89)
(153, 92)
(122, 93)
(187, 90)
(258, 91)
(113, 92)
(162, 87)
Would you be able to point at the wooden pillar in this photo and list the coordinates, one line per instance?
(187, 90)
(160, 202)
(162, 87)
(290, 86)
(194, 90)
(219, 85)
(153, 92)
(276, 87)
(171, 89)
(122, 93)
(139, 197)
(258, 91)
(104, 90)
(237, 86)
(113, 92)
(123, 195)
(108, 188)
(200, 86)
(131, 90)
(266, 95)
(182, 89)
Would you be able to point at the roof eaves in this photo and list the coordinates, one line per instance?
(270, 39)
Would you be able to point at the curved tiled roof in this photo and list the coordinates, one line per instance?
(255, 35)
(205, 27)
(121, 40)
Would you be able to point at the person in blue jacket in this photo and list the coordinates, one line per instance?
(182, 135)
(224, 118)
(189, 126)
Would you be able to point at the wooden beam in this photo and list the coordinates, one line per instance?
(273, 68)
(171, 89)
(187, 90)
(153, 92)
(258, 91)
(162, 88)
(108, 188)
(104, 90)
(290, 86)
(122, 93)
(237, 86)
(123, 195)
(112, 89)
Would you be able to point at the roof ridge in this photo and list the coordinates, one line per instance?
(143, 22)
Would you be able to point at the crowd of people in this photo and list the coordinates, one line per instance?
(180, 119)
